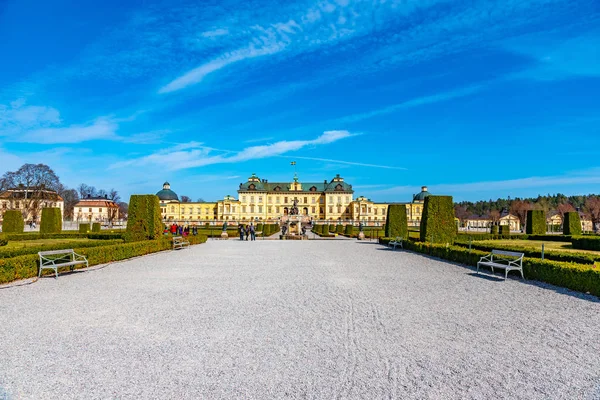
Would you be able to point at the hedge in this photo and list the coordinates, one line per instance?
(339, 229)
(582, 278)
(349, 230)
(3, 242)
(84, 228)
(19, 251)
(13, 222)
(437, 223)
(26, 266)
(143, 219)
(536, 222)
(63, 235)
(331, 228)
(51, 220)
(96, 227)
(586, 242)
(494, 230)
(504, 230)
(572, 224)
(396, 223)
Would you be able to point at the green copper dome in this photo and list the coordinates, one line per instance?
(421, 196)
(167, 193)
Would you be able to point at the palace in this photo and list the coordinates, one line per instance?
(261, 200)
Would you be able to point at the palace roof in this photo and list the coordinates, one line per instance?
(337, 184)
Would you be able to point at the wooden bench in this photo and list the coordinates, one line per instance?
(508, 264)
(179, 242)
(55, 259)
(396, 242)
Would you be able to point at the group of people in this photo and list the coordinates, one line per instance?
(247, 231)
(181, 230)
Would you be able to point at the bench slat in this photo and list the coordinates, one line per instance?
(507, 253)
(51, 252)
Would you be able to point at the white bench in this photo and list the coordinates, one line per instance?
(508, 264)
(179, 242)
(54, 259)
(396, 242)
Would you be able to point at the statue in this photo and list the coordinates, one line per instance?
(360, 226)
(294, 209)
(224, 226)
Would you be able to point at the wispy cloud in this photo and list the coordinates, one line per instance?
(215, 33)
(358, 164)
(194, 154)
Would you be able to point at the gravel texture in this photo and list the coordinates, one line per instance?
(295, 319)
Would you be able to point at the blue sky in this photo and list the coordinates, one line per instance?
(475, 99)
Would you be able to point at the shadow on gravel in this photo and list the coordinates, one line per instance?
(487, 277)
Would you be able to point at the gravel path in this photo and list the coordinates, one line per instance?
(295, 319)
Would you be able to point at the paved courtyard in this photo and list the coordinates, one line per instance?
(295, 319)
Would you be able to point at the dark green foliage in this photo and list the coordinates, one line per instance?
(143, 221)
(51, 220)
(582, 278)
(259, 227)
(84, 228)
(494, 230)
(3, 242)
(13, 222)
(586, 242)
(96, 226)
(19, 251)
(536, 222)
(331, 228)
(504, 230)
(437, 223)
(396, 224)
(572, 224)
(207, 225)
(348, 231)
(339, 229)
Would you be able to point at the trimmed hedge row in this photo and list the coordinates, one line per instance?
(96, 226)
(437, 224)
(19, 251)
(63, 235)
(13, 222)
(536, 222)
(504, 230)
(51, 220)
(582, 278)
(494, 229)
(26, 266)
(143, 218)
(572, 224)
(84, 228)
(464, 237)
(396, 223)
(586, 242)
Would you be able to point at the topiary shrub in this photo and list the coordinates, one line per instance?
(207, 225)
(339, 229)
(437, 223)
(396, 223)
(504, 230)
(259, 227)
(572, 224)
(13, 222)
(51, 220)
(143, 222)
(3, 242)
(349, 230)
(84, 228)
(331, 228)
(494, 230)
(96, 226)
(536, 222)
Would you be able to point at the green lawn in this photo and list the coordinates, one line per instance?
(537, 245)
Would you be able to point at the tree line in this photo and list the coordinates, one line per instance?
(36, 179)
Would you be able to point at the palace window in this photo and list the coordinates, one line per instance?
(278, 200)
(331, 199)
(260, 199)
(321, 200)
(339, 209)
(375, 211)
(331, 209)
(313, 200)
(277, 209)
(243, 209)
(313, 209)
(260, 209)
(347, 199)
(243, 199)
(251, 209)
(100, 210)
(79, 209)
(269, 210)
(285, 200)
(251, 199)
(90, 210)
(321, 210)
(269, 200)
(306, 200)
(232, 208)
(339, 199)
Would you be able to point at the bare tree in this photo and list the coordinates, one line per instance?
(186, 199)
(564, 208)
(114, 195)
(519, 208)
(495, 217)
(123, 208)
(200, 200)
(461, 213)
(70, 198)
(33, 181)
(86, 191)
(592, 208)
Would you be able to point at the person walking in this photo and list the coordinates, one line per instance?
(241, 230)
(252, 233)
(247, 232)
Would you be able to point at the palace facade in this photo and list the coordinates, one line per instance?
(261, 200)
(96, 209)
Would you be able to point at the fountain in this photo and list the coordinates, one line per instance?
(292, 225)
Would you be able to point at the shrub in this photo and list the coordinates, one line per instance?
(339, 229)
(259, 227)
(536, 222)
(396, 223)
(13, 222)
(51, 220)
(84, 228)
(143, 218)
(572, 224)
(494, 230)
(349, 230)
(3, 242)
(19, 251)
(207, 225)
(96, 226)
(331, 228)
(437, 223)
(586, 242)
(504, 230)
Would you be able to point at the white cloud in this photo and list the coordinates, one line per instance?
(19, 115)
(215, 33)
(359, 164)
(194, 154)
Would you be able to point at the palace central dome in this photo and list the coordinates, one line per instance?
(166, 193)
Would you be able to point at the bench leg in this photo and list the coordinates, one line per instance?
(506, 274)
(522, 276)
(477, 268)
(55, 273)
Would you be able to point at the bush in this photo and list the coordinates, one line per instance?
(207, 225)
(51, 220)
(19, 251)
(339, 229)
(13, 222)
(494, 230)
(504, 230)
(3, 242)
(586, 242)
(259, 227)
(331, 228)
(349, 230)
(396, 223)
(84, 228)
(143, 221)
(536, 222)
(582, 278)
(572, 224)
(96, 226)
(437, 224)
